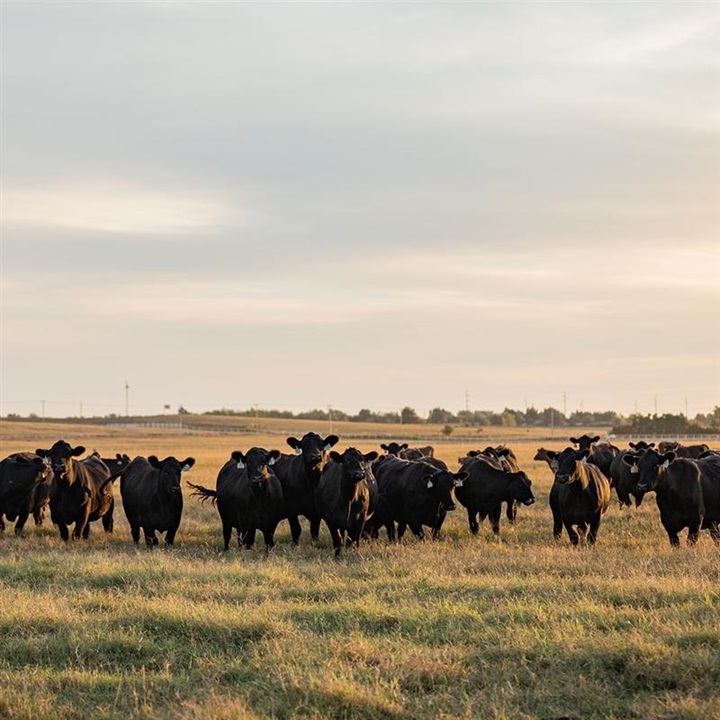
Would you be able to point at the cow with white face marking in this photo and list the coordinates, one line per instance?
(299, 476)
(152, 497)
(79, 491)
(248, 496)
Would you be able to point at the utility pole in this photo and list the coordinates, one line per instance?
(127, 399)
(552, 423)
(565, 404)
(42, 402)
(686, 409)
(655, 399)
(467, 402)
(81, 410)
(330, 417)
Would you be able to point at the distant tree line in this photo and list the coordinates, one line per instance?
(532, 417)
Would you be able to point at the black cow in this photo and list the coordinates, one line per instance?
(24, 489)
(579, 496)
(299, 475)
(249, 497)
(415, 494)
(600, 454)
(623, 479)
(79, 492)
(346, 495)
(683, 451)
(502, 458)
(678, 491)
(709, 464)
(152, 496)
(116, 464)
(486, 488)
(394, 448)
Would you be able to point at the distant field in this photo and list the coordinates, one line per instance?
(461, 628)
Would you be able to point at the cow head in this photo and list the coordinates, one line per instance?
(394, 448)
(567, 464)
(257, 463)
(520, 486)
(649, 467)
(35, 472)
(170, 469)
(313, 448)
(440, 485)
(641, 446)
(59, 457)
(584, 441)
(355, 465)
(548, 456)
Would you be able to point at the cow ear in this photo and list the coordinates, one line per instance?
(595, 439)
(329, 441)
(632, 445)
(404, 446)
(383, 446)
(371, 456)
(42, 453)
(651, 445)
(473, 453)
(79, 450)
(552, 454)
(582, 456)
(462, 475)
(429, 481)
(273, 456)
(335, 456)
(629, 459)
(294, 443)
(187, 463)
(668, 458)
(574, 441)
(154, 462)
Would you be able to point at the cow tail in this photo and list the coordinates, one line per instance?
(203, 493)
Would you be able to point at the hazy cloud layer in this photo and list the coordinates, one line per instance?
(298, 205)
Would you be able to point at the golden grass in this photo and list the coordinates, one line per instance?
(461, 628)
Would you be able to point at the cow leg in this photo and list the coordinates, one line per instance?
(295, 529)
(170, 536)
(135, 532)
(150, 537)
(557, 526)
(39, 516)
(417, 530)
(20, 524)
(511, 511)
(472, 522)
(336, 539)
(315, 528)
(248, 538)
(64, 534)
(594, 527)
(693, 534)
(227, 536)
(571, 533)
(107, 518)
(2, 524)
(390, 528)
(494, 517)
(401, 527)
(269, 537)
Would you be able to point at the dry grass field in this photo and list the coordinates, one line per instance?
(466, 627)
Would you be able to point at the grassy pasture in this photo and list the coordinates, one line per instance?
(462, 628)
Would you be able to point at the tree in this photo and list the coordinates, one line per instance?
(408, 416)
(447, 430)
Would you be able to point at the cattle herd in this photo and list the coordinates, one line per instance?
(359, 494)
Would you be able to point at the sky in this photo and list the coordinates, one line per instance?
(303, 204)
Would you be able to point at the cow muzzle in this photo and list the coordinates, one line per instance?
(529, 501)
